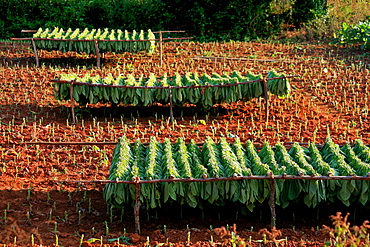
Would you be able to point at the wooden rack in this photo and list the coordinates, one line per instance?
(263, 82)
(96, 44)
(137, 182)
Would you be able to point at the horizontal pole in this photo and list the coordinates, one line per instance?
(240, 59)
(178, 31)
(169, 31)
(235, 58)
(101, 40)
(258, 146)
(169, 87)
(202, 180)
(69, 143)
(28, 31)
(144, 87)
(180, 38)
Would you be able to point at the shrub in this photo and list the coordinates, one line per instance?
(307, 10)
(225, 20)
(354, 35)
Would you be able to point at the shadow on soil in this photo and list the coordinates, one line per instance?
(41, 216)
(60, 114)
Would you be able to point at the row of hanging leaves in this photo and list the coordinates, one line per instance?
(205, 96)
(214, 160)
(83, 40)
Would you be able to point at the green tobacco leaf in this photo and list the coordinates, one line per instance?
(294, 189)
(172, 190)
(166, 192)
(214, 194)
(123, 239)
(345, 192)
(364, 195)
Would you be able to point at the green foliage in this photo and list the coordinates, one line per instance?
(204, 19)
(307, 10)
(354, 35)
(224, 20)
(125, 14)
(326, 21)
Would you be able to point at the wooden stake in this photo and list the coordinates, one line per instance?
(72, 103)
(272, 200)
(266, 96)
(35, 51)
(171, 104)
(97, 54)
(160, 48)
(137, 208)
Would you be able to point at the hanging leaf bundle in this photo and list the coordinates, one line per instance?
(189, 88)
(117, 41)
(236, 161)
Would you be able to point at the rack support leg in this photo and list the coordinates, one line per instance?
(72, 103)
(266, 96)
(35, 51)
(137, 208)
(97, 52)
(272, 202)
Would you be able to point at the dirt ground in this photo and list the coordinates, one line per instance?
(38, 206)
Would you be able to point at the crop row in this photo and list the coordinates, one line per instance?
(190, 88)
(71, 40)
(214, 160)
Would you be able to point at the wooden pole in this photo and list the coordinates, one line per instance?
(160, 48)
(137, 208)
(35, 51)
(203, 180)
(272, 201)
(266, 96)
(70, 143)
(171, 104)
(72, 103)
(97, 54)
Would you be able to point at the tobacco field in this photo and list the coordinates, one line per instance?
(53, 171)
